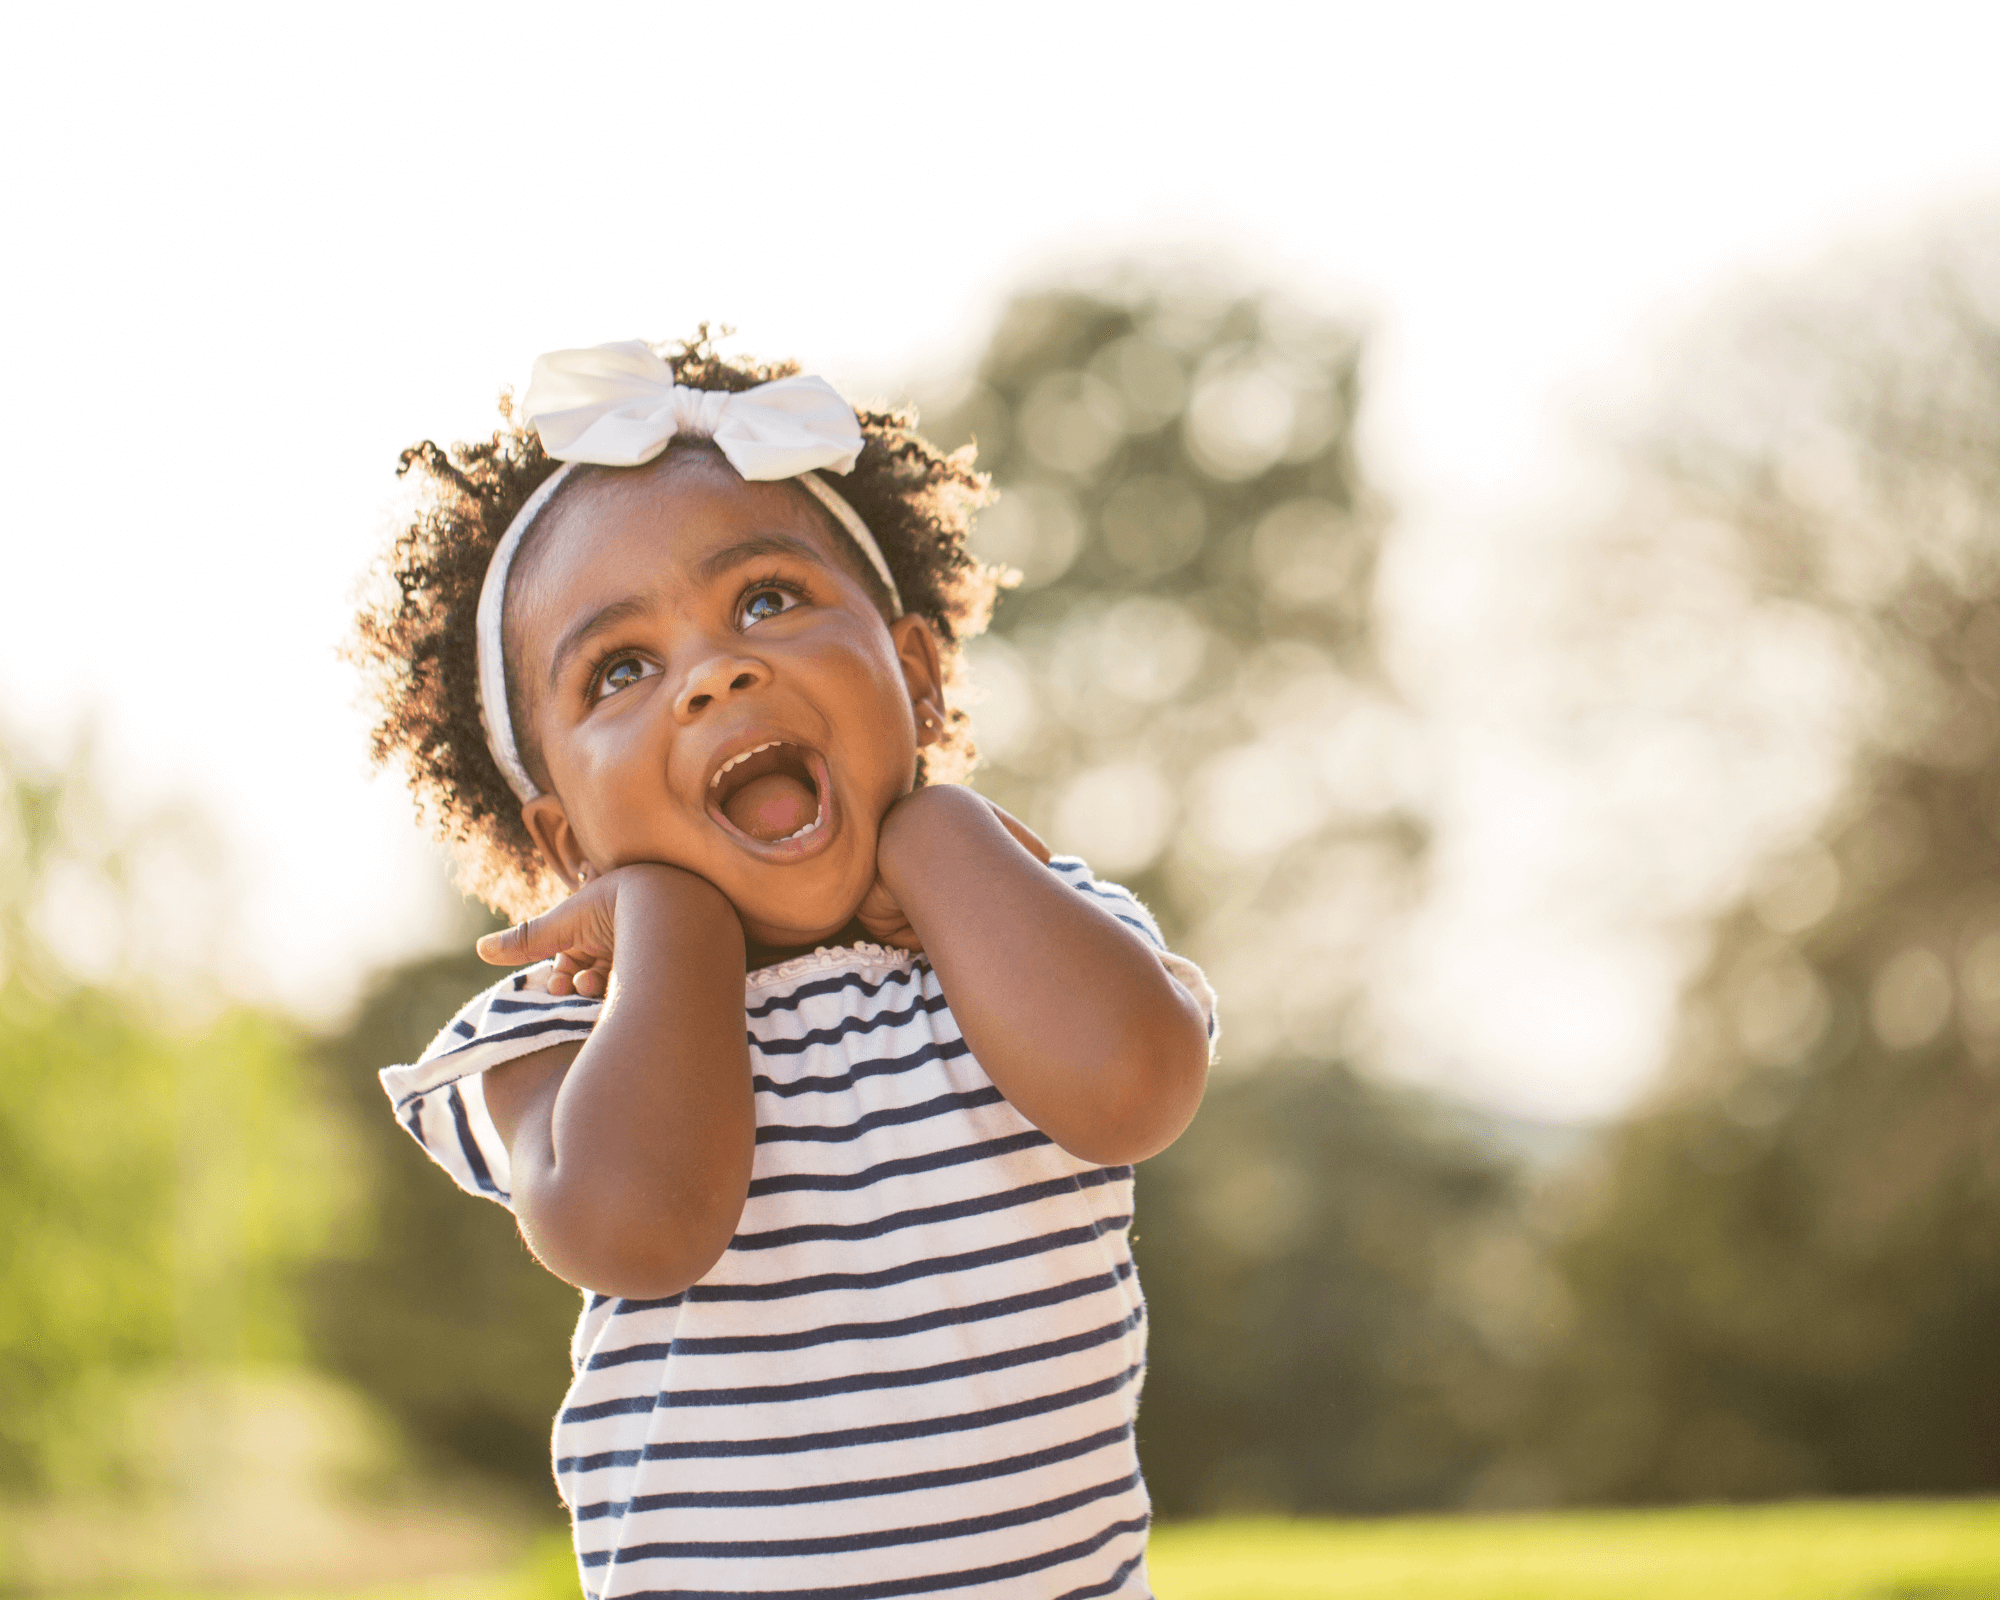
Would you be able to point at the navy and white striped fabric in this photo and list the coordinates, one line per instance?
(914, 1371)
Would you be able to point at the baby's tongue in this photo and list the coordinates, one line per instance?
(772, 806)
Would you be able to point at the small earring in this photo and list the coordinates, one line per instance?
(583, 873)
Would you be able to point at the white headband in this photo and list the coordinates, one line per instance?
(617, 405)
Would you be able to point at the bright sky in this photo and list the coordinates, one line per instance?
(258, 250)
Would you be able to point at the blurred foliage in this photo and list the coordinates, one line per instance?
(150, 1174)
(150, 1194)
(1182, 689)
(1787, 1276)
(1311, 1253)
(436, 1310)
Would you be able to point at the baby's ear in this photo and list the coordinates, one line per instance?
(923, 673)
(548, 825)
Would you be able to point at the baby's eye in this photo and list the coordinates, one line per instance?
(622, 674)
(765, 602)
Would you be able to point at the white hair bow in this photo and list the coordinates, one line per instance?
(617, 405)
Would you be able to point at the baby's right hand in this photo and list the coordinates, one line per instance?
(879, 914)
(580, 933)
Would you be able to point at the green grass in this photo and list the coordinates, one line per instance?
(1856, 1550)
(1822, 1550)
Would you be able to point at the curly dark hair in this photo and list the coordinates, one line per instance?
(417, 649)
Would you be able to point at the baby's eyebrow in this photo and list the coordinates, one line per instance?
(591, 626)
(717, 562)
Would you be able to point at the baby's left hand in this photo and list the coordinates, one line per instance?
(879, 913)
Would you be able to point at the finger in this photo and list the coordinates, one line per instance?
(510, 947)
(536, 939)
(580, 972)
(883, 920)
(1028, 839)
(892, 931)
(878, 909)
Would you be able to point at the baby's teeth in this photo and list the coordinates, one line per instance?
(745, 756)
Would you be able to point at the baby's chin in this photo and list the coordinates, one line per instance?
(780, 925)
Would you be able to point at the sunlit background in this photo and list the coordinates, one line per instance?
(1509, 507)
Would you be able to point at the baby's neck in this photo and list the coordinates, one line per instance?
(768, 955)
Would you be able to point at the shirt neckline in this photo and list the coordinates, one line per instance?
(827, 958)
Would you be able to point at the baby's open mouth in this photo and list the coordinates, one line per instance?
(770, 793)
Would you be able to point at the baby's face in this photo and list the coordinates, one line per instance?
(712, 687)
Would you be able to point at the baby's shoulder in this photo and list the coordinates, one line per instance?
(1120, 901)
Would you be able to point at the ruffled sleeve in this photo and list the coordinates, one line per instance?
(1123, 904)
(440, 1098)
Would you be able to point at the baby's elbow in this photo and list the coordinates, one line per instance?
(618, 1250)
(654, 1269)
(1151, 1091)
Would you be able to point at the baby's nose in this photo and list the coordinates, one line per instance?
(716, 678)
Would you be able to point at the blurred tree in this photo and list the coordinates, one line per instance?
(149, 1174)
(1309, 1251)
(1182, 688)
(1787, 1279)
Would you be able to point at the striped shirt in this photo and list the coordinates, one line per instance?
(916, 1367)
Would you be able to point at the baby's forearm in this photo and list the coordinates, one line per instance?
(1069, 1011)
(631, 1169)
